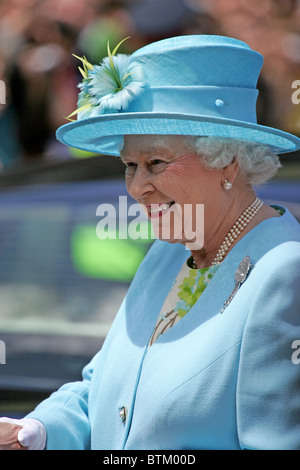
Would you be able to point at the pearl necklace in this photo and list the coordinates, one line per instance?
(234, 232)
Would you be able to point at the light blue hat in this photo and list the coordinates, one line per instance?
(188, 85)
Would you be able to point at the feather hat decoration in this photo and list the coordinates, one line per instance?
(110, 86)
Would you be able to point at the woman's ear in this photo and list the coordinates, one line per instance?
(230, 172)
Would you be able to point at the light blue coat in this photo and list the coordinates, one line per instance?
(213, 381)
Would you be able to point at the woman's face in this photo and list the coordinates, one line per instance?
(173, 186)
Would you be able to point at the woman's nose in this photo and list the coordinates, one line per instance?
(139, 185)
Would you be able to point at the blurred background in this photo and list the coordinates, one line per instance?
(60, 287)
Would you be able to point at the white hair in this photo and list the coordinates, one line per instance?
(256, 161)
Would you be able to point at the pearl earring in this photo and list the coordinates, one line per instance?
(227, 185)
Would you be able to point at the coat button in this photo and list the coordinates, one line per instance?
(219, 103)
(123, 414)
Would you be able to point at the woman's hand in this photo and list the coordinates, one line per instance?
(9, 437)
(22, 434)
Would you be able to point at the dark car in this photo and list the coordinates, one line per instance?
(61, 285)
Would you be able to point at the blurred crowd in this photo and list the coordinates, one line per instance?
(38, 38)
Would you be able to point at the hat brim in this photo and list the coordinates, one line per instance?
(104, 133)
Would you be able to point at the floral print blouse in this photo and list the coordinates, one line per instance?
(184, 293)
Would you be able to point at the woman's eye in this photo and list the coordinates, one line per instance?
(130, 165)
(130, 168)
(157, 165)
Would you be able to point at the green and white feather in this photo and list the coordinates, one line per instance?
(110, 86)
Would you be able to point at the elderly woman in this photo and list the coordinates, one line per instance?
(200, 353)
